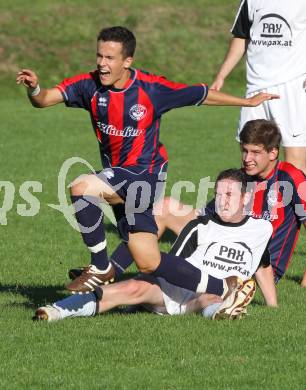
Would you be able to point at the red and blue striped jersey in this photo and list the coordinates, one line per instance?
(281, 199)
(127, 122)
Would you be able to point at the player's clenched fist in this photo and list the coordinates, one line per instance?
(27, 77)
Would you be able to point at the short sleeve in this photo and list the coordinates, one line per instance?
(77, 91)
(242, 24)
(265, 258)
(187, 241)
(167, 95)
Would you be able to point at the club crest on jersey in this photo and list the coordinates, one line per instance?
(138, 112)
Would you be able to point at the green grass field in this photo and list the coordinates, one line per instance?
(186, 42)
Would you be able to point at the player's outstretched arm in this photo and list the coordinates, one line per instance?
(39, 97)
(234, 54)
(265, 281)
(217, 98)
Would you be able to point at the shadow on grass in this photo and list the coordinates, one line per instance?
(37, 295)
(293, 278)
(167, 237)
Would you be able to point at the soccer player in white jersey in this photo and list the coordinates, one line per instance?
(229, 244)
(273, 36)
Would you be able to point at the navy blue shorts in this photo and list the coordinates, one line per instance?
(139, 189)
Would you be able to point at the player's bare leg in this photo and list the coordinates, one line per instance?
(145, 251)
(103, 299)
(130, 292)
(296, 156)
(91, 185)
(171, 214)
(202, 301)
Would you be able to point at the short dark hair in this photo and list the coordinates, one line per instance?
(261, 132)
(234, 174)
(122, 35)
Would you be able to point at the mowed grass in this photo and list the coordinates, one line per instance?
(137, 350)
(118, 351)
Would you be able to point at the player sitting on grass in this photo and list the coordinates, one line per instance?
(228, 245)
(125, 106)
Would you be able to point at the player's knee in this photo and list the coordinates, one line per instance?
(134, 289)
(162, 211)
(78, 187)
(147, 268)
(167, 202)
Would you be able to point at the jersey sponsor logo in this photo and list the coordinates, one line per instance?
(138, 112)
(229, 256)
(225, 268)
(128, 131)
(274, 26)
(271, 30)
(265, 215)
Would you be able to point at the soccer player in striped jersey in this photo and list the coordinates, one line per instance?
(125, 107)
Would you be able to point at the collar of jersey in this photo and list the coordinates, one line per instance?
(219, 221)
(271, 173)
(128, 83)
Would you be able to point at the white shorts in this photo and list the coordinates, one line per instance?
(175, 298)
(289, 112)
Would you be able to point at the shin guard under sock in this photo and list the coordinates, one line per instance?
(90, 219)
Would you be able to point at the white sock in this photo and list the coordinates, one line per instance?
(77, 306)
(210, 310)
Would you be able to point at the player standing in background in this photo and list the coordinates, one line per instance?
(125, 107)
(226, 244)
(273, 36)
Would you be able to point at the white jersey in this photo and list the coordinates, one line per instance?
(219, 249)
(227, 249)
(276, 34)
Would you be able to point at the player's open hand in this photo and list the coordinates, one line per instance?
(261, 97)
(28, 78)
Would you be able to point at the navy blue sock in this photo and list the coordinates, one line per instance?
(90, 220)
(214, 286)
(121, 259)
(178, 271)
